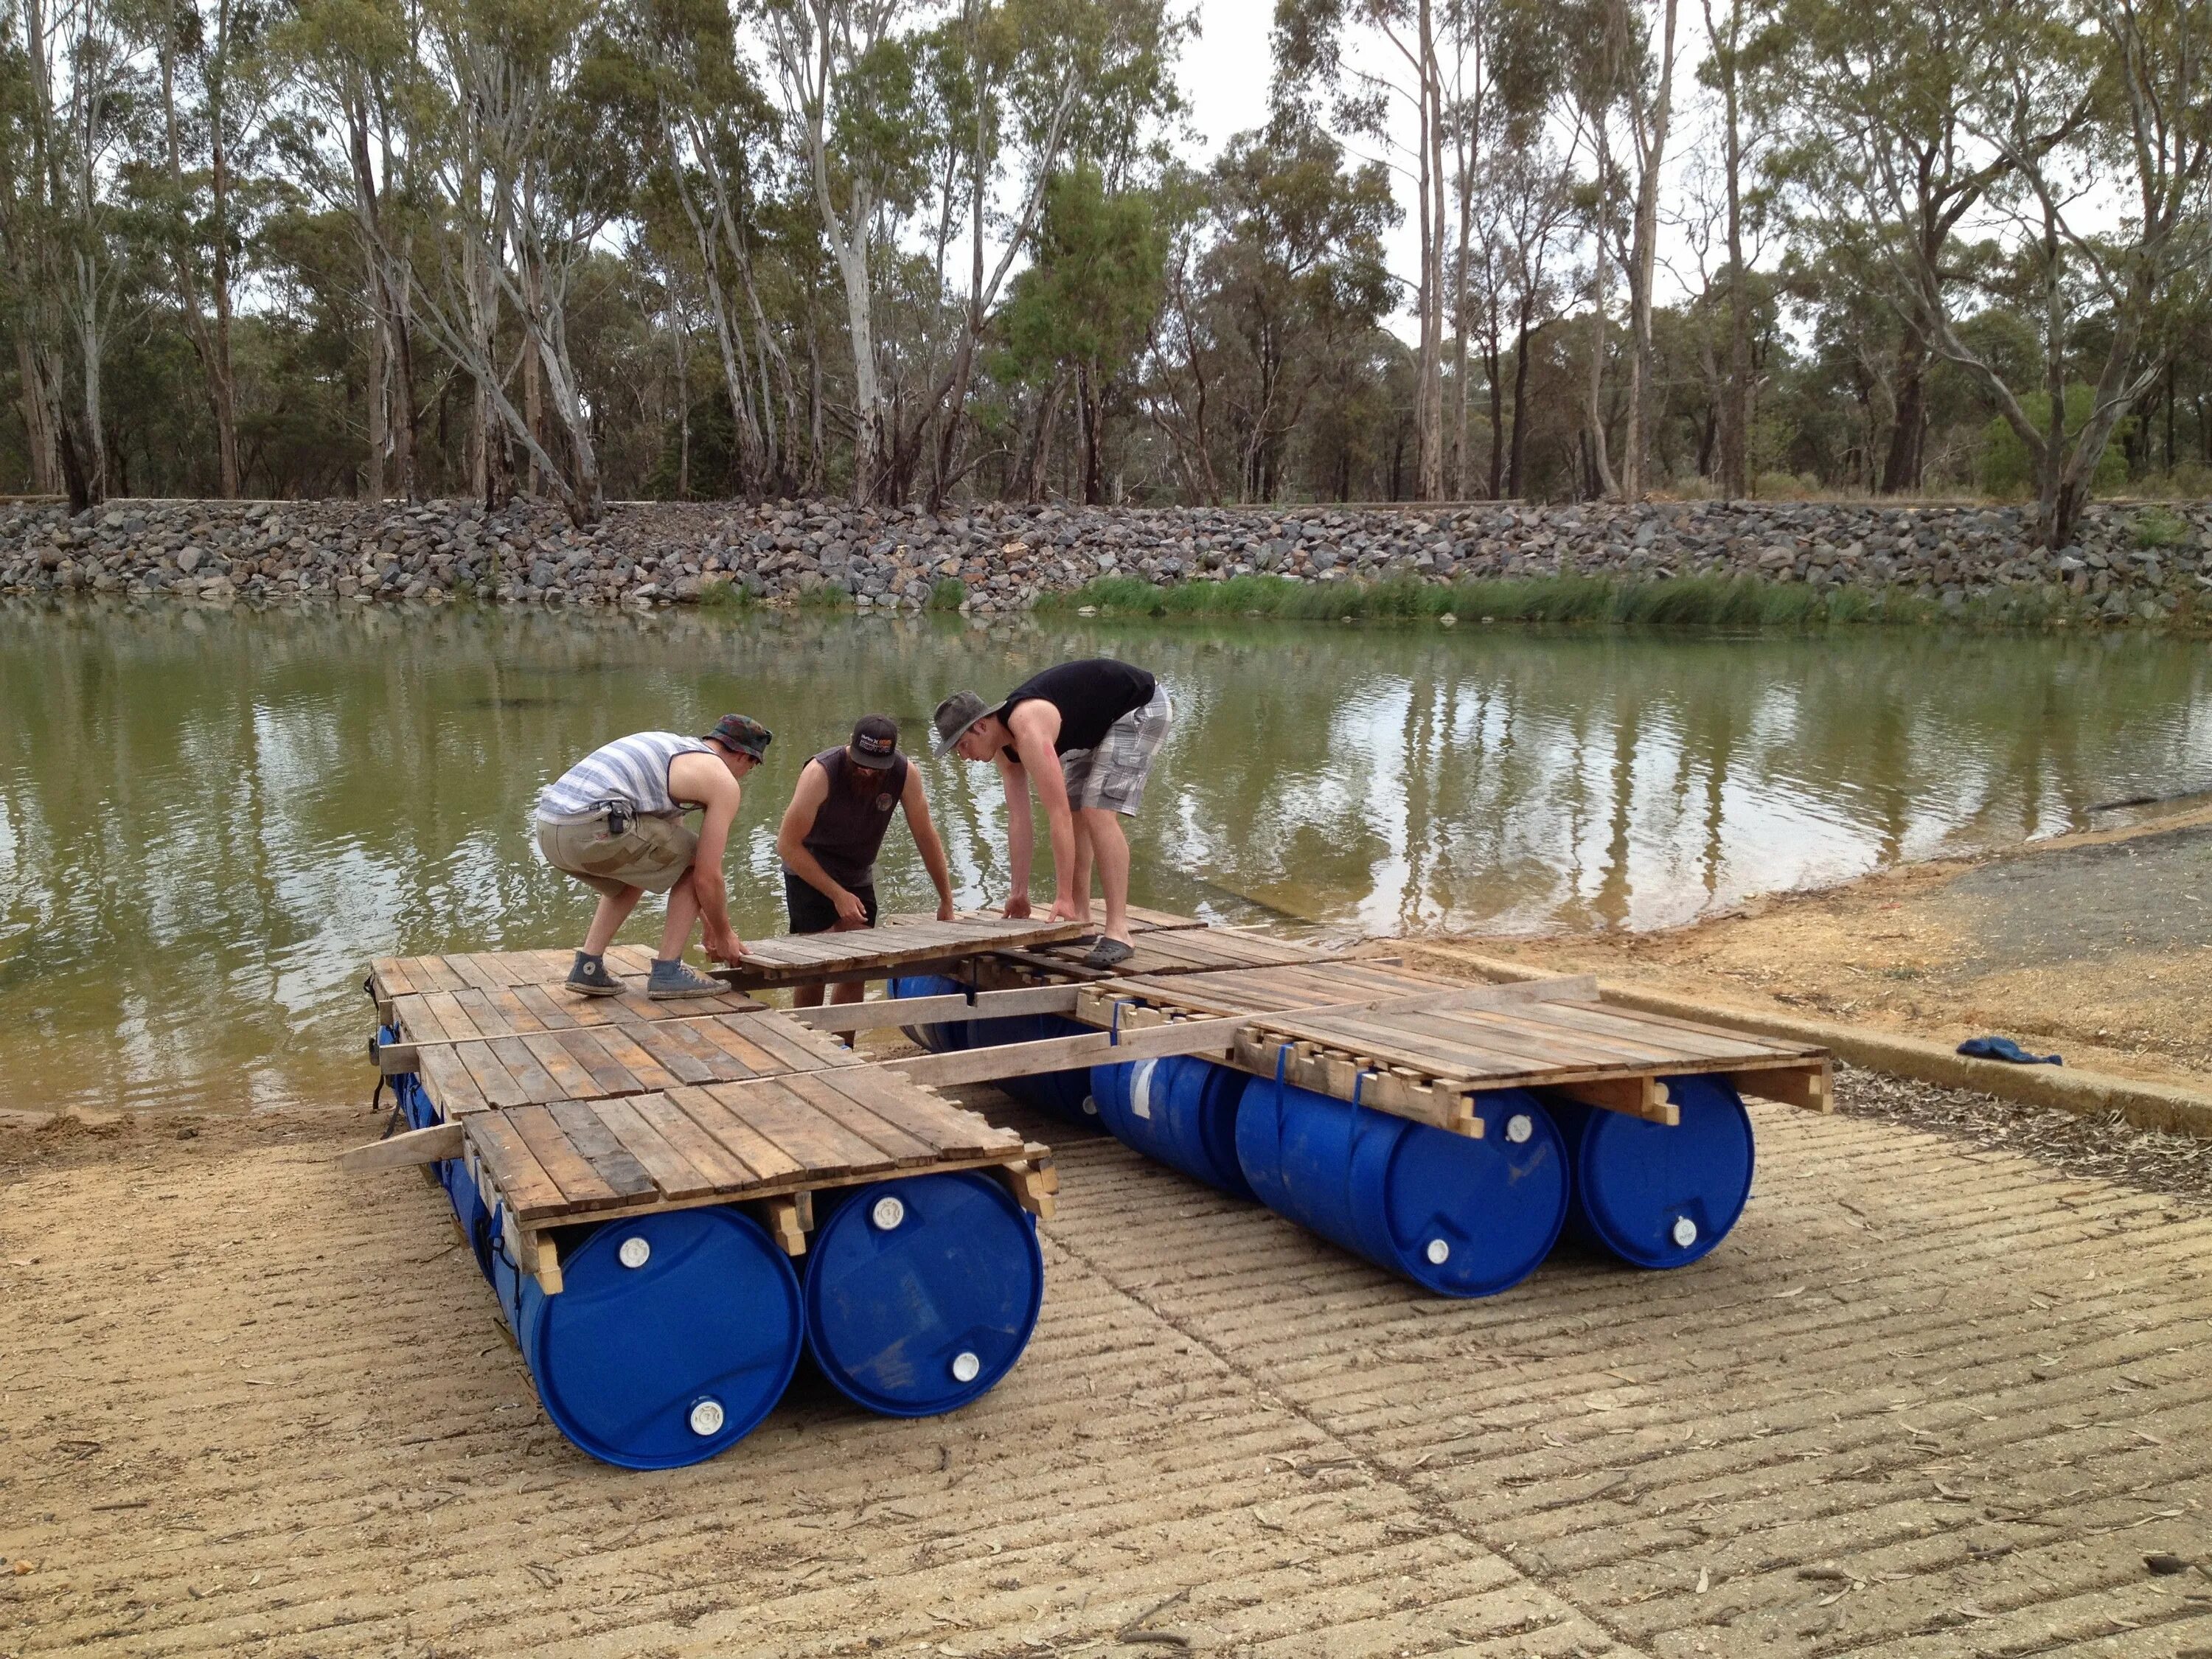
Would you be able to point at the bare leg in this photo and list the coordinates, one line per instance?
(606, 920)
(1082, 863)
(1100, 830)
(806, 996)
(683, 911)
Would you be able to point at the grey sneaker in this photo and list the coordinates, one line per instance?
(678, 979)
(590, 978)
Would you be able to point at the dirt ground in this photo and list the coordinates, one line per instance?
(1936, 1397)
(2097, 947)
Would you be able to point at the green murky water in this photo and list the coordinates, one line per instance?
(210, 821)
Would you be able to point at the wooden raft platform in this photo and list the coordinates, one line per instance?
(569, 1110)
(1404, 1042)
(879, 952)
(1191, 948)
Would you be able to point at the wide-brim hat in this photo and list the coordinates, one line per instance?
(742, 733)
(956, 716)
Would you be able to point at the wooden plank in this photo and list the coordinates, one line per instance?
(507, 1005)
(812, 1141)
(625, 1044)
(1632, 1096)
(723, 1168)
(1196, 1036)
(570, 1076)
(929, 1011)
(449, 1085)
(728, 1035)
(874, 952)
(404, 1151)
(536, 1083)
(587, 1048)
(431, 973)
(516, 1174)
(782, 1219)
(795, 1046)
(768, 1161)
(1810, 1086)
(922, 1114)
(672, 1173)
(488, 1074)
(547, 1007)
(613, 1163)
(856, 1117)
(581, 1187)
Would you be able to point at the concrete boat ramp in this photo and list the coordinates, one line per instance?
(1927, 1399)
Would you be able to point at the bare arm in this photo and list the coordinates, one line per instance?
(1035, 725)
(705, 782)
(915, 804)
(1020, 833)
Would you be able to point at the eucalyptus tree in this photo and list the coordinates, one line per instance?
(1377, 61)
(218, 87)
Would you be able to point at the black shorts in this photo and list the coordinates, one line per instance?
(811, 910)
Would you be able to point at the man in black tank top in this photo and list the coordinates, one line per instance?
(835, 827)
(1084, 735)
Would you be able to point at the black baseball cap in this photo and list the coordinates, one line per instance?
(742, 733)
(875, 742)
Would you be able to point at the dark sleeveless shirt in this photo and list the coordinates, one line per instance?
(1090, 695)
(849, 825)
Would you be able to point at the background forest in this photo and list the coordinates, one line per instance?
(905, 251)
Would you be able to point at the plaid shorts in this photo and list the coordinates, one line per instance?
(1111, 777)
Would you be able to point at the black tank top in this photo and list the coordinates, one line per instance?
(1090, 695)
(849, 825)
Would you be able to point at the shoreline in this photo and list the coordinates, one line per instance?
(2137, 564)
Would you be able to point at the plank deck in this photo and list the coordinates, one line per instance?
(877, 952)
(1428, 1062)
(589, 1160)
(489, 1068)
(1159, 952)
(435, 998)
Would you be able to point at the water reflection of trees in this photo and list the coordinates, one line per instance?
(210, 818)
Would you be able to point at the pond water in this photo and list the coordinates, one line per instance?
(210, 821)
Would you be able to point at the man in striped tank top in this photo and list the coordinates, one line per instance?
(615, 821)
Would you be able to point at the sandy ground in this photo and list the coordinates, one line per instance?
(1935, 1397)
(2097, 947)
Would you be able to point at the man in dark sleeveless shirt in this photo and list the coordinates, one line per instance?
(835, 827)
(1084, 734)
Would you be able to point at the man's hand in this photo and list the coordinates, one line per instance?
(946, 910)
(850, 913)
(1018, 907)
(724, 945)
(1063, 909)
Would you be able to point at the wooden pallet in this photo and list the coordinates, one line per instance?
(531, 978)
(879, 952)
(1424, 1048)
(1196, 950)
(473, 1072)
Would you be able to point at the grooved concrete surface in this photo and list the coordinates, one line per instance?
(1927, 1401)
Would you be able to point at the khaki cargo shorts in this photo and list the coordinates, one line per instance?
(652, 853)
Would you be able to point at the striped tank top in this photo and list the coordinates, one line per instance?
(632, 770)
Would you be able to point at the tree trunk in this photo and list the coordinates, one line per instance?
(1735, 408)
(1429, 406)
(1900, 468)
(380, 434)
(1651, 150)
(38, 426)
(1594, 392)
(1515, 478)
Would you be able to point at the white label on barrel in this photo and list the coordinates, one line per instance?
(887, 1213)
(966, 1367)
(1438, 1253)
(707, 1418)
(634, 1252)
(1686, 1232)
(1519, 1127)
(1140, 1088)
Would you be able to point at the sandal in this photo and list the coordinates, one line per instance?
(1109, 953)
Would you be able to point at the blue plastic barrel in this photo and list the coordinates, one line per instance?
(937, 1038)
(1180, 1110)
(1459, 1216)
(921, 1293)
(1657, 1196)
(1063, 1095)
(673, 1335)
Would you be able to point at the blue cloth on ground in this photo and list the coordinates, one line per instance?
(2003, 1048)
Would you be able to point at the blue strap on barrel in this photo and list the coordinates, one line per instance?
(1114, 1026)
(1359, 1085)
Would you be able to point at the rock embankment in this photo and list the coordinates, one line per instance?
(2129, 563)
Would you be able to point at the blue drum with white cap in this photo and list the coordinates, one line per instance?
(1654, 1194)
(940, 1037)
(673, 1335)
(1459, 1216)
(921, 1293)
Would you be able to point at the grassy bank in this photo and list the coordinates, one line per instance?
(1738, 601)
